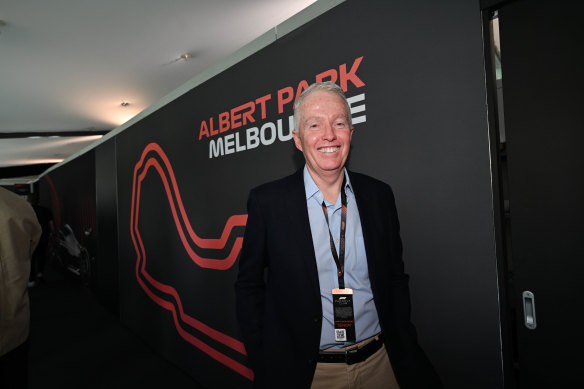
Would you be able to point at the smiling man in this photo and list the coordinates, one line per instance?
(322, 297)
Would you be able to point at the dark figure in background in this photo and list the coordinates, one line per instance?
(45, 218)
(327, 236)
(19, 235)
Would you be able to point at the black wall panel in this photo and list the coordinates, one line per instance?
(106, 261)
(414, 71)
(70, 193)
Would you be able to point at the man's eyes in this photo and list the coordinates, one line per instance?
(337, 124)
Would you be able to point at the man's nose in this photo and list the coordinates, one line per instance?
(329, 132)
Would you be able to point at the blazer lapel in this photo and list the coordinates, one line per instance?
(301, 241)
(367, 215)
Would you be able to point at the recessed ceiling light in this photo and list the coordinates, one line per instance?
(183, 57)
(186, 56)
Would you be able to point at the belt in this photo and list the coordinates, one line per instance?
(353, 354)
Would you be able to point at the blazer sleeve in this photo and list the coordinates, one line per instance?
(250, 285)
(390, 284)
(415, 370)
(19, 235)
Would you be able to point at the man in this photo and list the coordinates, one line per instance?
(333, 309)
(19, 234)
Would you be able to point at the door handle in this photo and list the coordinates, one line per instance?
(529, 310)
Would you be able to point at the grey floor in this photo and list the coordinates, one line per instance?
(76, 343)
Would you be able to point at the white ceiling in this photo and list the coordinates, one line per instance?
(67, 65)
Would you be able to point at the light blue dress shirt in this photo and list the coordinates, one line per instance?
(356, 271)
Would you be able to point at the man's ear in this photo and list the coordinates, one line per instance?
(297, 140)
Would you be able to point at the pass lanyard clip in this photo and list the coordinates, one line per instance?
(340, 257)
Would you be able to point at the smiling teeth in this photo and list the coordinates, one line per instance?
(328, 149)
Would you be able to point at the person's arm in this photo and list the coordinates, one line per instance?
(19, 235)
(250, 285)
(417, 371)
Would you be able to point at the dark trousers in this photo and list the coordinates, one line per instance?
(14, 368)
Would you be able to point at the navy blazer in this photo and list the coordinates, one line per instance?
(277, 289)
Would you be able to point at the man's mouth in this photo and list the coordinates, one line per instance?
(327, 150)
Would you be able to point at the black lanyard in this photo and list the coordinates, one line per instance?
(340, 258)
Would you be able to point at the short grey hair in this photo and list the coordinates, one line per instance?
(326, 86)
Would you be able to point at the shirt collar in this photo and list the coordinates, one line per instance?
(312, 189)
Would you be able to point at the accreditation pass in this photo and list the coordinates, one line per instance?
(344, 315)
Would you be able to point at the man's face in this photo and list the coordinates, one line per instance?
(324, 134)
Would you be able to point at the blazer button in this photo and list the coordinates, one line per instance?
(316, 319)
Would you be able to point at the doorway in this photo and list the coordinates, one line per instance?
(536, 82)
